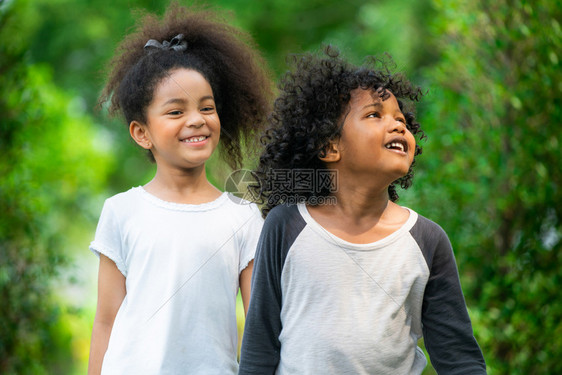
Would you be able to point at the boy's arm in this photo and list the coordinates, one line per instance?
(447, 330)
(245, 285)
(111, 292)
(261, 346)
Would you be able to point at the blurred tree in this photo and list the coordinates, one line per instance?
(487, 173)
(78, 37)
(490, 172)
(49, 164)
(49, 167)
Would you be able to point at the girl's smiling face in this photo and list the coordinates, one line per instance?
(183, 126)
(375, 141)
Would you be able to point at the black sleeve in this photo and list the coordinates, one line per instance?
(447, 330)
(260, 344)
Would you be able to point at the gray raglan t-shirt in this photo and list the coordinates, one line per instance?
(322, 305)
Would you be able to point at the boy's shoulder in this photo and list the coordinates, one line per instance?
(284, 219)
(427, 228)
(431, 238)
(283, 213)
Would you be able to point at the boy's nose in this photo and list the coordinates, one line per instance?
(398, 127)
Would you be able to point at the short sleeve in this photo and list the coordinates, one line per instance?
(108, 239)
(250, 235)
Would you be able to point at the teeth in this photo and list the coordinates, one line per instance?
(195, 139)
(397, 145)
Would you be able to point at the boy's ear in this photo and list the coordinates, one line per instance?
(140, 135)
(331, 152)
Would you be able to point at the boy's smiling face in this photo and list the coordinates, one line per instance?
(375, 141)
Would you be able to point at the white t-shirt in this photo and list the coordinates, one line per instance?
(182, 264)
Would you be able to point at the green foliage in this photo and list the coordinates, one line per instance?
(79, 46)
(490, 172)
(49, 168)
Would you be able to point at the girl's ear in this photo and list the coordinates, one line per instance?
(140, 135)
(331, 153)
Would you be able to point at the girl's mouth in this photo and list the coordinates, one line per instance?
(196, 139)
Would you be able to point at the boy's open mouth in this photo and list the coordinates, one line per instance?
(397, 145)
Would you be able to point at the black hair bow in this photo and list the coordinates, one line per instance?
(176, 44)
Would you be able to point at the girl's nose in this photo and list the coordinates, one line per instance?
(196, 120)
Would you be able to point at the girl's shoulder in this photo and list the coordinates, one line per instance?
(240, 207)
(137, 201)
(125, 198)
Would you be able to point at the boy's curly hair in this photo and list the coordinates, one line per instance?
(308, 115)
(223, 54)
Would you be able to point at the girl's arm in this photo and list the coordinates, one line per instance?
(111, 292)
(245, 285)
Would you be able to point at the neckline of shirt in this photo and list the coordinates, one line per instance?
(323, 232)
(181, 206)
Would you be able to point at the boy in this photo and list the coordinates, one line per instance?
(350, 288)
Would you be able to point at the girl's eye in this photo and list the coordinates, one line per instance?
(207, 109)
(175, 113)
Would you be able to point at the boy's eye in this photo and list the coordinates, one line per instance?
(401, 120)
(374, 114)
(175, 113)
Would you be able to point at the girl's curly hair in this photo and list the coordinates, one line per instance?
(308, 114)
(223, 54)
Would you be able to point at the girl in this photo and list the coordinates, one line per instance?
(174, 252)
(349, 285)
